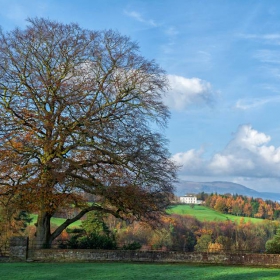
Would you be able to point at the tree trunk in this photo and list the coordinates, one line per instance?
(43, 231)
(44, 237)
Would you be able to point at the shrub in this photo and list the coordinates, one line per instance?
(272, 246)
(91, 241)
(132, 246)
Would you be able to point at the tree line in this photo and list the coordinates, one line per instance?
(175, 232)
(239, 205)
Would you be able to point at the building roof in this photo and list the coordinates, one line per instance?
(189, 195)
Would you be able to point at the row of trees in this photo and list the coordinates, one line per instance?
(176, 232)
(244, 206)
(180, 233)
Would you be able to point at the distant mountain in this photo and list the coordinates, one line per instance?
(184, 187)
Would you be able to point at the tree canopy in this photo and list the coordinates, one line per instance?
(79, 113)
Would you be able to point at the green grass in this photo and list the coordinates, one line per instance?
(200, 212)
(56, 221)
(135, 271)
(203, 213)
(59, 221)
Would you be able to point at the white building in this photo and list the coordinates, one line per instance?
(188, 199)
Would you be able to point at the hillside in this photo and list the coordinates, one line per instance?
(203, 213)
(184, 187)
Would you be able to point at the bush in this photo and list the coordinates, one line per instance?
(91, 241)
(273, 246)
(132, 246)
(95, 241)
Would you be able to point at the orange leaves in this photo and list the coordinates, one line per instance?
(243, 206)
(204, 231)
(248, 209)
(215, 247)
(221, 205)
(168, 220)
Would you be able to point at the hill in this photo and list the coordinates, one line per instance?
(203, 213)
(218, 187)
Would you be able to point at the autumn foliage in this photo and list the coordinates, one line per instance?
(185, 233)
(239, 205)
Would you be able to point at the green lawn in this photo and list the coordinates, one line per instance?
(203, 213)
(135, 271)
(56, 221)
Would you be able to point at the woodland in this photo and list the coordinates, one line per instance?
(239, 205)
(175, 232)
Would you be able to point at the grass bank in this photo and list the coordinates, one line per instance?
(117, 271)
(203, 213)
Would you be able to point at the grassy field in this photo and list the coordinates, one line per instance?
(56, 221)
(203, 213)
(117, 271)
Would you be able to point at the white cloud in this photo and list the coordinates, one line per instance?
(247, 137)
(247, 155)
(247, 104)
(184, 92)
(190, 160)
(137, 16)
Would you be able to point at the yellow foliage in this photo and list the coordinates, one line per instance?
(215, 247)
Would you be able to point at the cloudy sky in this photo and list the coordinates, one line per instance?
(223, 63)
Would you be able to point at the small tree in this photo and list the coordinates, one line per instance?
(78, 112)
(203, 243)
(93, 234)
(94, 223)
(272, 246)
(215, 247)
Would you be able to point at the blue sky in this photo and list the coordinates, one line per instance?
(222, 59)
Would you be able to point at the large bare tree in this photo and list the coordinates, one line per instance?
(79, 113)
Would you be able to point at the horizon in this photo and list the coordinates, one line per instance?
(184, 188)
